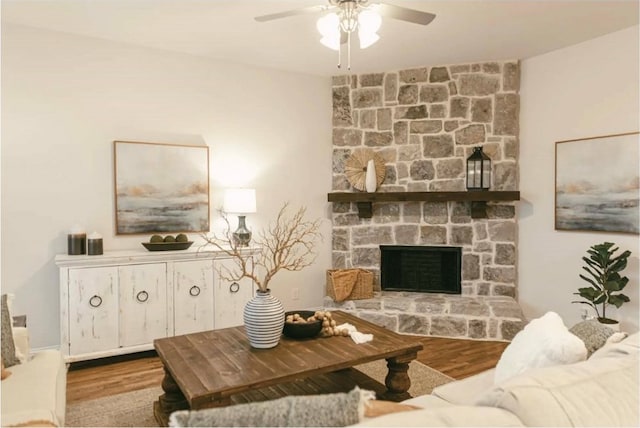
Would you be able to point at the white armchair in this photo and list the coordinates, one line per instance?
(35, 392)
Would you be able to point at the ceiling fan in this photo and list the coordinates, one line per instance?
(341, 18)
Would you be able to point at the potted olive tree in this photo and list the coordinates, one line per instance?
(605, 280)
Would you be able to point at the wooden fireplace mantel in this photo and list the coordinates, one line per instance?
(478, 199)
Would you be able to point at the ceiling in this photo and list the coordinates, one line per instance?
(463, 31)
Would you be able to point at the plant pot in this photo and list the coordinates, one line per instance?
(612, 324)
(263, 320)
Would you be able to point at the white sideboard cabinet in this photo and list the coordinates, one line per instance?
(119, 302)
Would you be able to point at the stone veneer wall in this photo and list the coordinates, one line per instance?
(425, 122)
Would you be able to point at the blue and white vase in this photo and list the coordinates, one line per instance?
(263, 320)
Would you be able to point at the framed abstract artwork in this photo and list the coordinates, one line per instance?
(598, 184)
(160, 188)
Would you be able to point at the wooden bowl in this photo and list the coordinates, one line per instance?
(166, 246)
(301, 330)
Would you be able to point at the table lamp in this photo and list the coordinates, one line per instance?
(240, 201)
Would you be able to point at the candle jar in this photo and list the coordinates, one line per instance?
(76, 244)
(94, 244)
(94, 247)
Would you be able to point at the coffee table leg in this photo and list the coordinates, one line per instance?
(170, 401)
(397, 380)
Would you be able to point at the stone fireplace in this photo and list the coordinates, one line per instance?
(424, 123)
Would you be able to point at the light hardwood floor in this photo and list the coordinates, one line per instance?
(457, 358)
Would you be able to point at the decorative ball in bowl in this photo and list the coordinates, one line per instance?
(301, 324)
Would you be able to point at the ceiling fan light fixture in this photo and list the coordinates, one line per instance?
(337, 27)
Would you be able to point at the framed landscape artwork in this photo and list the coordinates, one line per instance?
(161, 188)
(598, 184)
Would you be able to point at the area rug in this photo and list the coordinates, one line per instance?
(423, 378)
(135, 409)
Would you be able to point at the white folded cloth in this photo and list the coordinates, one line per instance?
(356, 336)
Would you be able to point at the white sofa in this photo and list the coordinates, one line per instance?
(601, 391)
(35, 392)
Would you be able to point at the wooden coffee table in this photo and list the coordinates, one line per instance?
(205, 369)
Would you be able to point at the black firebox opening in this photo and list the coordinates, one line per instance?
(430, 269)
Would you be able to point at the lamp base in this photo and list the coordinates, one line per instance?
(242, 235)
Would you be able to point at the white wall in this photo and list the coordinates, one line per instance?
(66, 98)
(586, 90)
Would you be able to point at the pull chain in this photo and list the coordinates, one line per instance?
(348, 53)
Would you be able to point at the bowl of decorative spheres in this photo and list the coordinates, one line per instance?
(300, 328)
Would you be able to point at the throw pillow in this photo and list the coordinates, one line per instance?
(543, 342)
(594, 334)
(329, 410)
(8, 346)
(19, 355)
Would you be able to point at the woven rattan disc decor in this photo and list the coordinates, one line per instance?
(355, 168)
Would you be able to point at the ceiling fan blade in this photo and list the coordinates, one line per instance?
(302, 11)
(404, 14)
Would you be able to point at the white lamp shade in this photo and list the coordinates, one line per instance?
(331, 43)
(368, 24)
(329, 25)
(367, 39)
(240, 201)
(369, 21)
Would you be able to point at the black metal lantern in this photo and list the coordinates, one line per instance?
(478, 170)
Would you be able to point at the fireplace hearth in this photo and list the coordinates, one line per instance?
(425, 269)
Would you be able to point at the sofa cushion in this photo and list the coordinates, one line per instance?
(21, 342)
(450, 416)
(601, 392)
(465, 391)
(36, 390)
(543, 342)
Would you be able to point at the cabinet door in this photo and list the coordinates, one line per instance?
(230, 297)
(93, 309)
(143, 303)
(193, 296)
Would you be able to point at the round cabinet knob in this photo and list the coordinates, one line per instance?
(234, 287)
(95, 301)
(194, 291)
(142, 296)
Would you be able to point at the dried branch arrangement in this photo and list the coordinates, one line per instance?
(287, 244)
